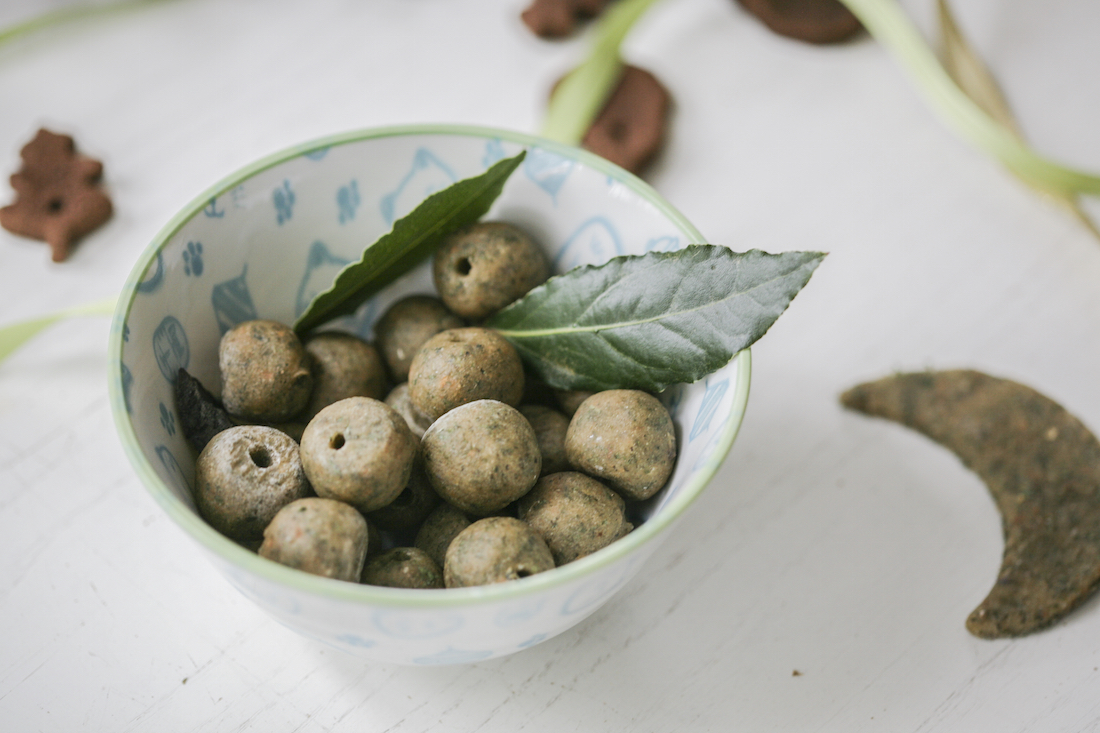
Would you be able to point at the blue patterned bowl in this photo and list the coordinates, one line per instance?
(262, 242)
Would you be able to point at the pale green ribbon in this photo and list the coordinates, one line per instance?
(13, 336)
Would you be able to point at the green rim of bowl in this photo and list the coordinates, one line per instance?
(233, 554)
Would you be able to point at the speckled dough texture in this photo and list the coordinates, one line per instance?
(265, 373)
(483, 267)
(244, 475)
(482, 456)
(439, 528)
(1042, 467)
(319, 536)
(575, 514)
(404, 328)
(462, 365)
(403, 567)
(495, 550)
(550, 427)
(624, 437)
(342, 365)
(360, 451)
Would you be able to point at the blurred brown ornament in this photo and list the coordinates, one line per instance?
(630, 129)
(559, 18)
(58, 199)
(812, 21)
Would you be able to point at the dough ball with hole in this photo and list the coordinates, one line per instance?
(359, 451)
(493, 550)
(483, 267)
(244, 476)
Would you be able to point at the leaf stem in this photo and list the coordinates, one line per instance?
(583, 92)
(65, 14)
(15, 335)
(887, 23)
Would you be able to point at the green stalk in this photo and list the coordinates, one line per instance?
(66, 14)
(14, 335)
(887, 23)
(581, 95)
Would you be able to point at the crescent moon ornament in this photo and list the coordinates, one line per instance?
(1042, 466)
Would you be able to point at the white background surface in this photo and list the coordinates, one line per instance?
(848, 549)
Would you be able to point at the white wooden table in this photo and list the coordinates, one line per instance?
(822, 581)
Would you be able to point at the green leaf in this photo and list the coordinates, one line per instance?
(649, 321)
(412, 238)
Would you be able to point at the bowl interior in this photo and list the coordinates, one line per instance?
(261, 243)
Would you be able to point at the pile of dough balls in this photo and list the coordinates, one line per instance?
(426, 459)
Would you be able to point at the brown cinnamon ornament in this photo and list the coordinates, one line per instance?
(559, 18)
(630, 129)
(812, 21)
(58, 199)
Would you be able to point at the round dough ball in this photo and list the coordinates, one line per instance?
(342, 365)
(359, 451)
(398, 399)
(265, 374)
(575, 514)
(483, 267)
(243, 476)
(439, 528)
(462, 365)
(409, 509)
(550, 428)
(481, 456)
(406, 325)
(494, 550)
(403, 567)
(320, 536)
(570, 399)
(626, 438)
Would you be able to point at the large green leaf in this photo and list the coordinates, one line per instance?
(649, 321)
(412, 238)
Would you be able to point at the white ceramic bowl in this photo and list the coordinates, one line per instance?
(262, 242)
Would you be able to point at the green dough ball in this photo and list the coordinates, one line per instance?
(462, 365)
(265, 374)
(406, 325)
(439, 528)
(626, 438)
(483, 267)
(319, 536)
(403, 567)
(359, 451)
(494, 550)
(342, 365)
(244, 475)
(575, 514)
(481, 456)
(550, 428)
